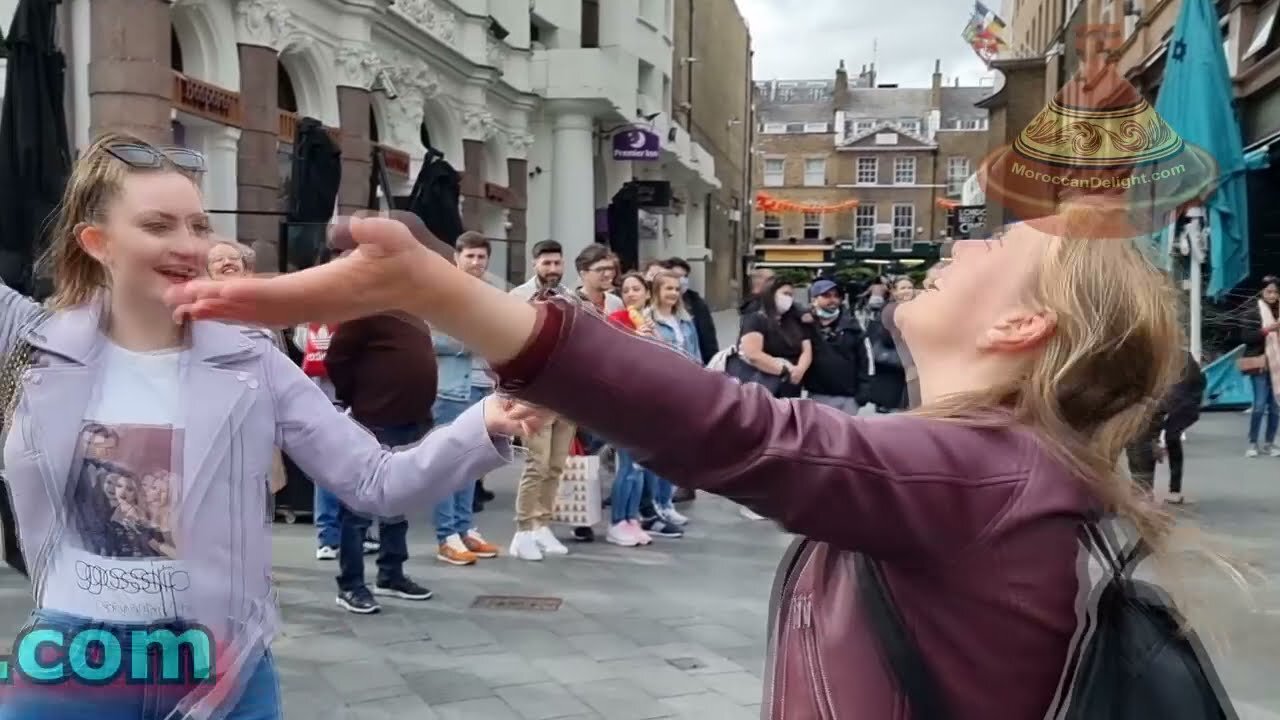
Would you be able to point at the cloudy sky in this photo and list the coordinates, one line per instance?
(806, 39)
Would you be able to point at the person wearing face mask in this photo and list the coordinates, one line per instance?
(775, 341)
(839, 375)
(699, 310)
(888, 386)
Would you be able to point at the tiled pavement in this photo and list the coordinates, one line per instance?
(675, 630)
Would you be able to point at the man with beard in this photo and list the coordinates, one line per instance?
(549, 448)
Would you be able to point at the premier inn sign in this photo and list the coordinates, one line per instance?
(637, 144)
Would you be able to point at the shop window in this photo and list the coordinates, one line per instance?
(772, 227)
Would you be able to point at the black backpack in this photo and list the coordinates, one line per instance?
(1137, 662)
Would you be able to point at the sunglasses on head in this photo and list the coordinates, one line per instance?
(146, 157)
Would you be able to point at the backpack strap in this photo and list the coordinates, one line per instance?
(915, 681)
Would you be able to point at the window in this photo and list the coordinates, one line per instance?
(812, 226)
(772, 227)
(590, 23)
(957, 174)
(911, 126)
(775, 128)
(773, 172)
(868, 171)
(864, 228)
(972, 124)
(816, 127)
(904, 227)
(904, 171)
(1262, 33)
(815, 172)
(863, 126)
(795, 127)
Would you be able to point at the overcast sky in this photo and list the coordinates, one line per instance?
(806, 39)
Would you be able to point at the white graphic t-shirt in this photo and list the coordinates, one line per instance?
(118, 560)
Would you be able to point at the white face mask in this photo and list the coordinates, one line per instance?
(783, 302)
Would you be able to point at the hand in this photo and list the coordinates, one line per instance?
(1160, 453)
(796, 375)
(504, 416)
(390, 264)
(807, 318)
(648, 328)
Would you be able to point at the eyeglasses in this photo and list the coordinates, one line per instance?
(146, 157)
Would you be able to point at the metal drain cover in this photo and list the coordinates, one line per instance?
(517, 602)
(686, 663)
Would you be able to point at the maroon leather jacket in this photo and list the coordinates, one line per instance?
(976, 528)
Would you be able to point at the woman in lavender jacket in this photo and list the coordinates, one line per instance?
(138, 451)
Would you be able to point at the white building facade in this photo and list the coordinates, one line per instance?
(521, 96)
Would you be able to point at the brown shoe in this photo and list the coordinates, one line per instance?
(454, 552)
(478, 546)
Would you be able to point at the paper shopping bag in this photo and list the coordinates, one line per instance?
(578, 503)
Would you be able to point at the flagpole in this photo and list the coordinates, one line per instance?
(1195, 252)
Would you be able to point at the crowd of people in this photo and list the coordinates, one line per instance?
(148, 403)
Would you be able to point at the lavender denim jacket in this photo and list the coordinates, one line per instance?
(243, 399)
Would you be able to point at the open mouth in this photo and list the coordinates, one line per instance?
(177, 273)
(229, 270)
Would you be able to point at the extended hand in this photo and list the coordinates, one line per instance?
(504, 416)
(381, 275)
(796, 375)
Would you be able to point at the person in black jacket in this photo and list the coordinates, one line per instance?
(839, 375)
(698, 309)
(1178, 410)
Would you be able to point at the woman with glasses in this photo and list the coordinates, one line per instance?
(138, 448)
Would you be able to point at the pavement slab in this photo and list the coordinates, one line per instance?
(674, 630)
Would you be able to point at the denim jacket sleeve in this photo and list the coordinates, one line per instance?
(445, 345)
(344, 458)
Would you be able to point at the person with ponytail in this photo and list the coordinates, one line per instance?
(137, 448)
(1039, 352)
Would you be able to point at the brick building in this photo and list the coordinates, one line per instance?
(899, 152)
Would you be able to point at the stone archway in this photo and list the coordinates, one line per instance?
(315, 89)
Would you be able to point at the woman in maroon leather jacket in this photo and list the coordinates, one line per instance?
(972, 504)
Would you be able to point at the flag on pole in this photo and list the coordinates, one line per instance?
(984, 33)
(1197, 101)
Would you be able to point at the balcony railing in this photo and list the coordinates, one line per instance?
(206, 100)
(288, 128)
(398, 161)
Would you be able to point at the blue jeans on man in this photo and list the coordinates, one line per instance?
(325, 515)
(392, 532)
(455, 515)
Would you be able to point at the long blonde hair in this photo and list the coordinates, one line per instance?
(1116, 350)
(96, 179)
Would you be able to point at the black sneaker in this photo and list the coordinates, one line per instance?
(358, 601)
(662, 528)
(483, 494)
(402, 588)
(584, 534)
(477, 505)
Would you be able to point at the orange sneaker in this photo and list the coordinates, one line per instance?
(454, 552)
(478, 546)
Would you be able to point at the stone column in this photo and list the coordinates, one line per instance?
(357, 66)
(518, 232)
(221, 179)
(130, 78)
(257, 169)
(572, 184)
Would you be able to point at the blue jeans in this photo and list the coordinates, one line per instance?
(125, 698)
(393, 544)
(660, 489)
(455, 514)
(1264, 404)
(628, 487)
(325, 515)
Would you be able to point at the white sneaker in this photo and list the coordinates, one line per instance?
(748, 513)
(326, 552)
(548, 542)
(1274, 451)
(525, 546)
(1251, 452)
(671, 515)
(620, 534)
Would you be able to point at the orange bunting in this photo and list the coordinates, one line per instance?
(770, 204)
(946, 204)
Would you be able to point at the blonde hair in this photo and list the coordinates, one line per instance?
(247, 254)
(1115, 351)
(95, 180)
(655, 285)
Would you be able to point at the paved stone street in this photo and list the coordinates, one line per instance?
(675, 630)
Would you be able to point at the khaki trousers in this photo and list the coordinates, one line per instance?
(540, 482)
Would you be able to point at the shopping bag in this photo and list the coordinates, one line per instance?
(579, 502)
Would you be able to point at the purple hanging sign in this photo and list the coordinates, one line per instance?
(637, 144)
